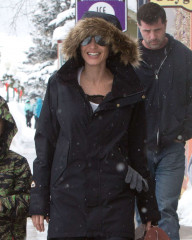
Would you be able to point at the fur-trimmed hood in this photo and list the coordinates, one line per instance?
(120, 43)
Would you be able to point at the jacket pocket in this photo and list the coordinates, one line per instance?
(60, 159)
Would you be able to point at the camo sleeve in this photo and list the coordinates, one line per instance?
(15, 201)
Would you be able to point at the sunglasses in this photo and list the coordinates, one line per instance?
(98, 39)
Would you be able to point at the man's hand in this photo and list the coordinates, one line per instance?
(38, 222)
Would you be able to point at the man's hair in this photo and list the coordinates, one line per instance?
(150, 13)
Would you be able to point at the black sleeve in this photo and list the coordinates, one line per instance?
(146, 201)
(45, 142)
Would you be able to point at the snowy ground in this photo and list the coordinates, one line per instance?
(23, 143)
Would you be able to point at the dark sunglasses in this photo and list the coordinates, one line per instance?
(98, 40)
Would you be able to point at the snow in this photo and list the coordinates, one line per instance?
(185, 207)
(12, 52)
(23, 142)
(69, 13)
(61, 32)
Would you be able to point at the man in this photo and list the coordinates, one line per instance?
(166, 73)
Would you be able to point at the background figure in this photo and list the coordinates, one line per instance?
(15, 179)
(38, 107)
(89, 141)
(166, 73)
(28, 113)
(33, 109)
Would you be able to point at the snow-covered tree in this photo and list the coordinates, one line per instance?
(63, 23)
(46, 11)
(42, 57)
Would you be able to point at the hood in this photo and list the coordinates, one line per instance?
(121, 44)
(9, 130)
(108, 17)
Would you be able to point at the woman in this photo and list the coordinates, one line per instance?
(90, 139)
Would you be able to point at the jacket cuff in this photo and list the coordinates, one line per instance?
(39, 203)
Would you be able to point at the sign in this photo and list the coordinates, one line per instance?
(187, 4)
(114, 7)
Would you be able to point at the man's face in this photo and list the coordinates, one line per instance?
(154, 35)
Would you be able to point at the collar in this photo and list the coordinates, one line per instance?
(168, 46)
(125, 82)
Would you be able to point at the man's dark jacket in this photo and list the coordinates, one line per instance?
(168, 96)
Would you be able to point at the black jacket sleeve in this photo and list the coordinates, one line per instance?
(45, 142)
(187, 125)
(146, 201)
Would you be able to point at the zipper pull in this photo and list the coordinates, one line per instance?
(156, 75)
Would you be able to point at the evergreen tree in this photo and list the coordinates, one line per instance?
(41, 57)
(46, 11)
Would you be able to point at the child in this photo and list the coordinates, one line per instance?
(15, 178)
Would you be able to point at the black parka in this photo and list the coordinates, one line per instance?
(83, 156)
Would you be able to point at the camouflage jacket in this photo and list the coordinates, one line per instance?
(15, 178)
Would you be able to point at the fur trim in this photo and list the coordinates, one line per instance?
(120, 43)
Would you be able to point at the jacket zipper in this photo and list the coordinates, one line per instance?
(156, 73)
(158, 97)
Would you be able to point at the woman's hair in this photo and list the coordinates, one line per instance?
(150, 13)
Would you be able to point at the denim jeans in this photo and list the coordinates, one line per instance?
(167, 166)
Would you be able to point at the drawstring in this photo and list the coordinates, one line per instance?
(157, 234)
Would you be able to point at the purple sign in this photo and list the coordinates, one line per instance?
(114, 7)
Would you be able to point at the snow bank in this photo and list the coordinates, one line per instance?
(185, 207)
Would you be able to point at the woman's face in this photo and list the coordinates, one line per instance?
(94, 54)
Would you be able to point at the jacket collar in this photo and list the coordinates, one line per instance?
(169, 45)
(126, 82)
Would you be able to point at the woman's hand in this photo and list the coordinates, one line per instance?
(38, 222)
(148, 226)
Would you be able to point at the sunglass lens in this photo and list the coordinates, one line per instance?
(86, 41)
(99, 41)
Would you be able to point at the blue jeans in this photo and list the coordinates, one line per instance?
(167, 166)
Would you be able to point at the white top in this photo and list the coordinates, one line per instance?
(93, 105)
